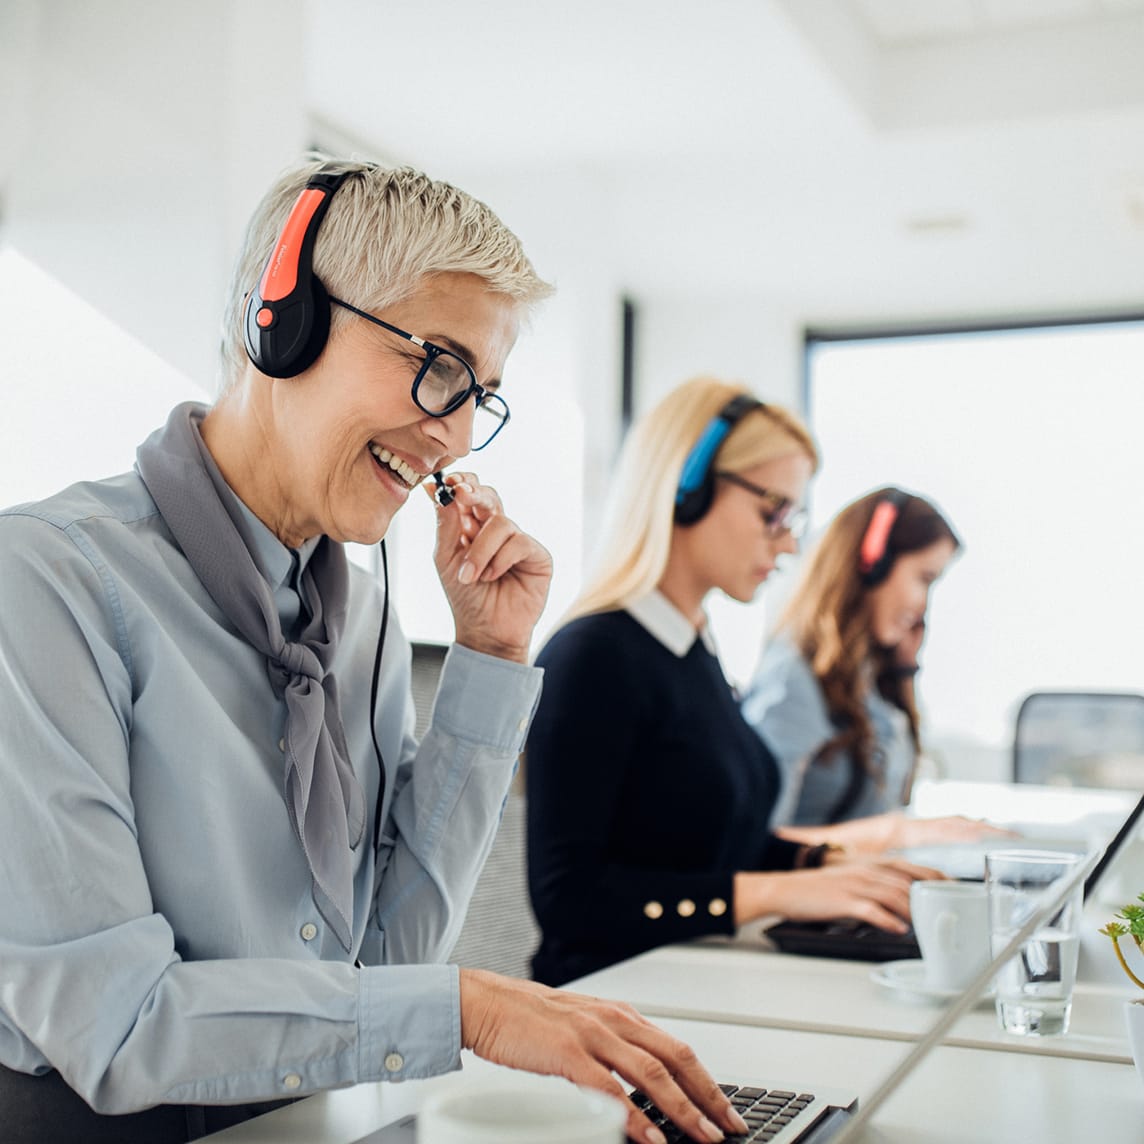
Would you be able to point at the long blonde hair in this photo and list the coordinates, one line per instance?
(635, 539)
(828, 619)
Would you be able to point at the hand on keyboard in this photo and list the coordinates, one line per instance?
(529, 1026)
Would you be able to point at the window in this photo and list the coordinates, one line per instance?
(1029, 441)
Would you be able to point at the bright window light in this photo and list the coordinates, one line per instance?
(80, 393)
(1029, 441)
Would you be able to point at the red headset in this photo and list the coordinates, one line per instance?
(874, 556)
(287, 317)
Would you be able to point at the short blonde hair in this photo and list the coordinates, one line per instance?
(386, 229)
(635, 539)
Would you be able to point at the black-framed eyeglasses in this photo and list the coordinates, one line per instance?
(445, 382)
(784, 517)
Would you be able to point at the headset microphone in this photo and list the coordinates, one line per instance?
(444, 493)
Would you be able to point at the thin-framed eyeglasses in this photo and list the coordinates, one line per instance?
(445, 382)
(784, 516)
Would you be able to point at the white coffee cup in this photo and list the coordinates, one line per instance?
(544, 1110)
(951, 921)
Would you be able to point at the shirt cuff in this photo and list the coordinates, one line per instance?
(409, 1021)
(487, 700)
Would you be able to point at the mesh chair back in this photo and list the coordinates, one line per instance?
(500, 932)
(428, 659)
(1080, 738)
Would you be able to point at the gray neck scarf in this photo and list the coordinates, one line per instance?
(324, 799)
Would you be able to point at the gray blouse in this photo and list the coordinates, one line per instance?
(785, 705)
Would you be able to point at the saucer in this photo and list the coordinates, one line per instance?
(908, 977)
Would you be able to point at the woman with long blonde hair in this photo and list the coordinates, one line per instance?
(649, 796)
(833, 696)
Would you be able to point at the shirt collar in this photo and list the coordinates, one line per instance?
(662, 619)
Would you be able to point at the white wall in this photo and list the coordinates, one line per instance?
(753, 339)
(138, 138)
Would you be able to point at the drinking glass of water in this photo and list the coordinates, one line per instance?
(1035, 987)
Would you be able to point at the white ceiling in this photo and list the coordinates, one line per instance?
(852, 158)
(918, 21)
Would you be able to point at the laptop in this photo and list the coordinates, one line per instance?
(781, 1114)
(861, 941)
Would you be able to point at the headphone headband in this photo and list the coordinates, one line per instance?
(287, 317)
(874, 555)
(696, 488)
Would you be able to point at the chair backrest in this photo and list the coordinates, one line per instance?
(500, 932)
(1080, 738)
(428, 659)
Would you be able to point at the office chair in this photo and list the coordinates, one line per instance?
(500, 932)
(428, 659)
(1080, 738)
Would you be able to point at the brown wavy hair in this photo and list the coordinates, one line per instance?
(828, 619)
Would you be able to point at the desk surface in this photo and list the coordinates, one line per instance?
(743, 986)
(956, 1095)
(824, 1021)
(744, 982)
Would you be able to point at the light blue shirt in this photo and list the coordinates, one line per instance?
(785, 705)
(158, 938)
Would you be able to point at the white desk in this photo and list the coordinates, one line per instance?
(957, 1095)
(741, 986)
(745, 982)
(777, 1020)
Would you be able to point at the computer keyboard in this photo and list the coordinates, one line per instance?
(776, 1115)
(846, 938)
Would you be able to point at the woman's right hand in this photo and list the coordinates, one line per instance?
(590, 1042)
(875, 891)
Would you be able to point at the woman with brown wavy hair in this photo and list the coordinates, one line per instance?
(833, 696)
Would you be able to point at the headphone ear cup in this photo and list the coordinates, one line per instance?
(696, 488)
(692, 505)
(293, 337)
(875, 557)
(286, 321)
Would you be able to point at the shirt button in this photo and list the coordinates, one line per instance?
(653, 910)
(291, 1080)
(309, 931)
(522, 725)
(282, 745)
(685, 908)
(717, 907)
(394, 1062)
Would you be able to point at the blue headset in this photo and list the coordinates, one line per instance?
(696, 488)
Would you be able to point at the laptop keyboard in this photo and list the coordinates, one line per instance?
(766, 1111)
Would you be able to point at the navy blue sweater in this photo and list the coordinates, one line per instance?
(647, 792)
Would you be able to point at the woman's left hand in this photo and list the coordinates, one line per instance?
(495, 576)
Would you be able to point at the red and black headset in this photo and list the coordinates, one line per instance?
(696, 489)
(286, 324)
(875, 557)
(287, 317)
